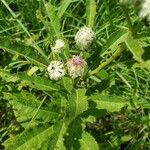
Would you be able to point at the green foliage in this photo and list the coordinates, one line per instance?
(30, 138)
(63, 7)
(25, 103)
(106, 108)
(111, 103)
(135, 48)
(54, 20)
(77, 104)
(87, 142)
(25, 51)
(37, 82)
(68, 84)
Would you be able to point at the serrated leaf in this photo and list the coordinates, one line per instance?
(30, 139)
(87, 142)
(40, 83)
(108, 102)
(77, 103)
(26, 106)
(90, 12)
(135, 48)
(22, 50)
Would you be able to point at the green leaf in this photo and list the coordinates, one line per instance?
(68, 84)
(135, 48)
(90, 12)
(73, 133)
(108, 102)
(40, 83)
(54, 20)
(77, 103)
(114, 40)
(56, 140)
(27, 107)
(30, 139)
(26, 51)
(88, 142)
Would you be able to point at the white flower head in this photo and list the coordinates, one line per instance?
(145, 10)
(59, 46)
(84, 37)
(56, 70)
(76, 66)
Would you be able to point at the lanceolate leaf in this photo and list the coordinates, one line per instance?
(29, 139)
(40, 83)
(135, 48)
(110, 103)
(26, 108)
(90, 12)
(88, 142)
(25, 51)
(77, 103)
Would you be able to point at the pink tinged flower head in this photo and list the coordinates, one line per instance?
(76, 66)
(56, 70)
(84, 37)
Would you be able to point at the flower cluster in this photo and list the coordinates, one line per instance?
(76, 65)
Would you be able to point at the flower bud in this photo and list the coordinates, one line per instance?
(59, 46)
(84, 37)
(76, 66)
